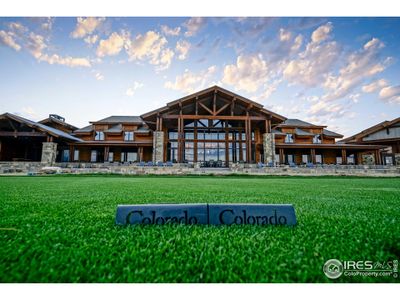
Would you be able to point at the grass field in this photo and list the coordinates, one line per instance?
(61, 229)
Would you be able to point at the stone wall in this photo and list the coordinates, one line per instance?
(36, 168)
(158, 146)
(269, 147)
(49, 153)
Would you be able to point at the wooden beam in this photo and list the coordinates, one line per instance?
(313, 158)
(344, 157)
(215, 103)
(211, 117)
(250, 142)
(206, 108)
(281, 156)
(222, 108)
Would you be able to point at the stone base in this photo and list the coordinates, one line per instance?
(158, 146)
(397, 159)
(49, 153)
(269, 147)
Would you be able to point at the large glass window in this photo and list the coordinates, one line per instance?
(111, 156)
(189, 151)
(128, 136)
(99, 136)
(318, 158)
(304, 158)
(128, 156)
(289, 138)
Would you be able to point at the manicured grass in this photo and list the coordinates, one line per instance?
(61, 229)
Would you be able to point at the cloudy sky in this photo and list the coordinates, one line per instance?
(340, 72)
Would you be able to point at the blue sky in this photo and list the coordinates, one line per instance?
(340, 72)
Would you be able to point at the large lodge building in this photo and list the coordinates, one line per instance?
(213, 127)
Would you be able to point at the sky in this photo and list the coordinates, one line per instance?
(339, 72)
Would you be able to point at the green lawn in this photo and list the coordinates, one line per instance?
(61, 229)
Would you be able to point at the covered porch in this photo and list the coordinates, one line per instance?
(328, 154)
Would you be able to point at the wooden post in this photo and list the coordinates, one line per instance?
(281, 156)
(250, 143)
(71, 153)
(106, 151)
(226, 144)
(215, 103)
(246, 139)
(378, 160)
(344, 157)
(268, 126)
(140, 154)
(313, 159)
(195, 141)
(179, 139)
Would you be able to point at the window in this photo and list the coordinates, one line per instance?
(318, 158)
(128, 156)
(99, 136)
(173, 135)
(304, 158)
(93, 156)
(65, 156)
(290, 158)
(76, 155)
(317, 139)
(110, 156)
(339, 160)
(128, 136)
(289, 138)
(350, 159)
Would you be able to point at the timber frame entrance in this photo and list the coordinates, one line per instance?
(214, 127)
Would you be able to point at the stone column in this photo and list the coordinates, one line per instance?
(158, 146)
(269, 147)
(49, 152)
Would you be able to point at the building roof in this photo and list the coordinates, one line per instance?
(214, 88)
(277, 132)
(114, 129)
(331, 133)
(36, 125)
(86, 129)
(297, 123)
(301, 132)
(120, 119)
(370, 130)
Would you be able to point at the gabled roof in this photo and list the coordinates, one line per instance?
(331, 134)
(208, 90)
(277, 132)
(41, 127)
(86, 129)
(119, 119)
(297, 123)
(371, 129)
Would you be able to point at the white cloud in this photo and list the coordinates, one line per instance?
(321, 33)
(111, 46)
(170, 31)
(131, 90)
(311, 65)
(284, 35)
(189, 82)
(99, 76)
(86, 26)
(91, 39)
(182, 47)
(374, 86)
(248, 74)
(360, 66)
(390, 94)
(36, 44)
(152, 47)
(7, 39)
(193, 25)
(66, 61)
